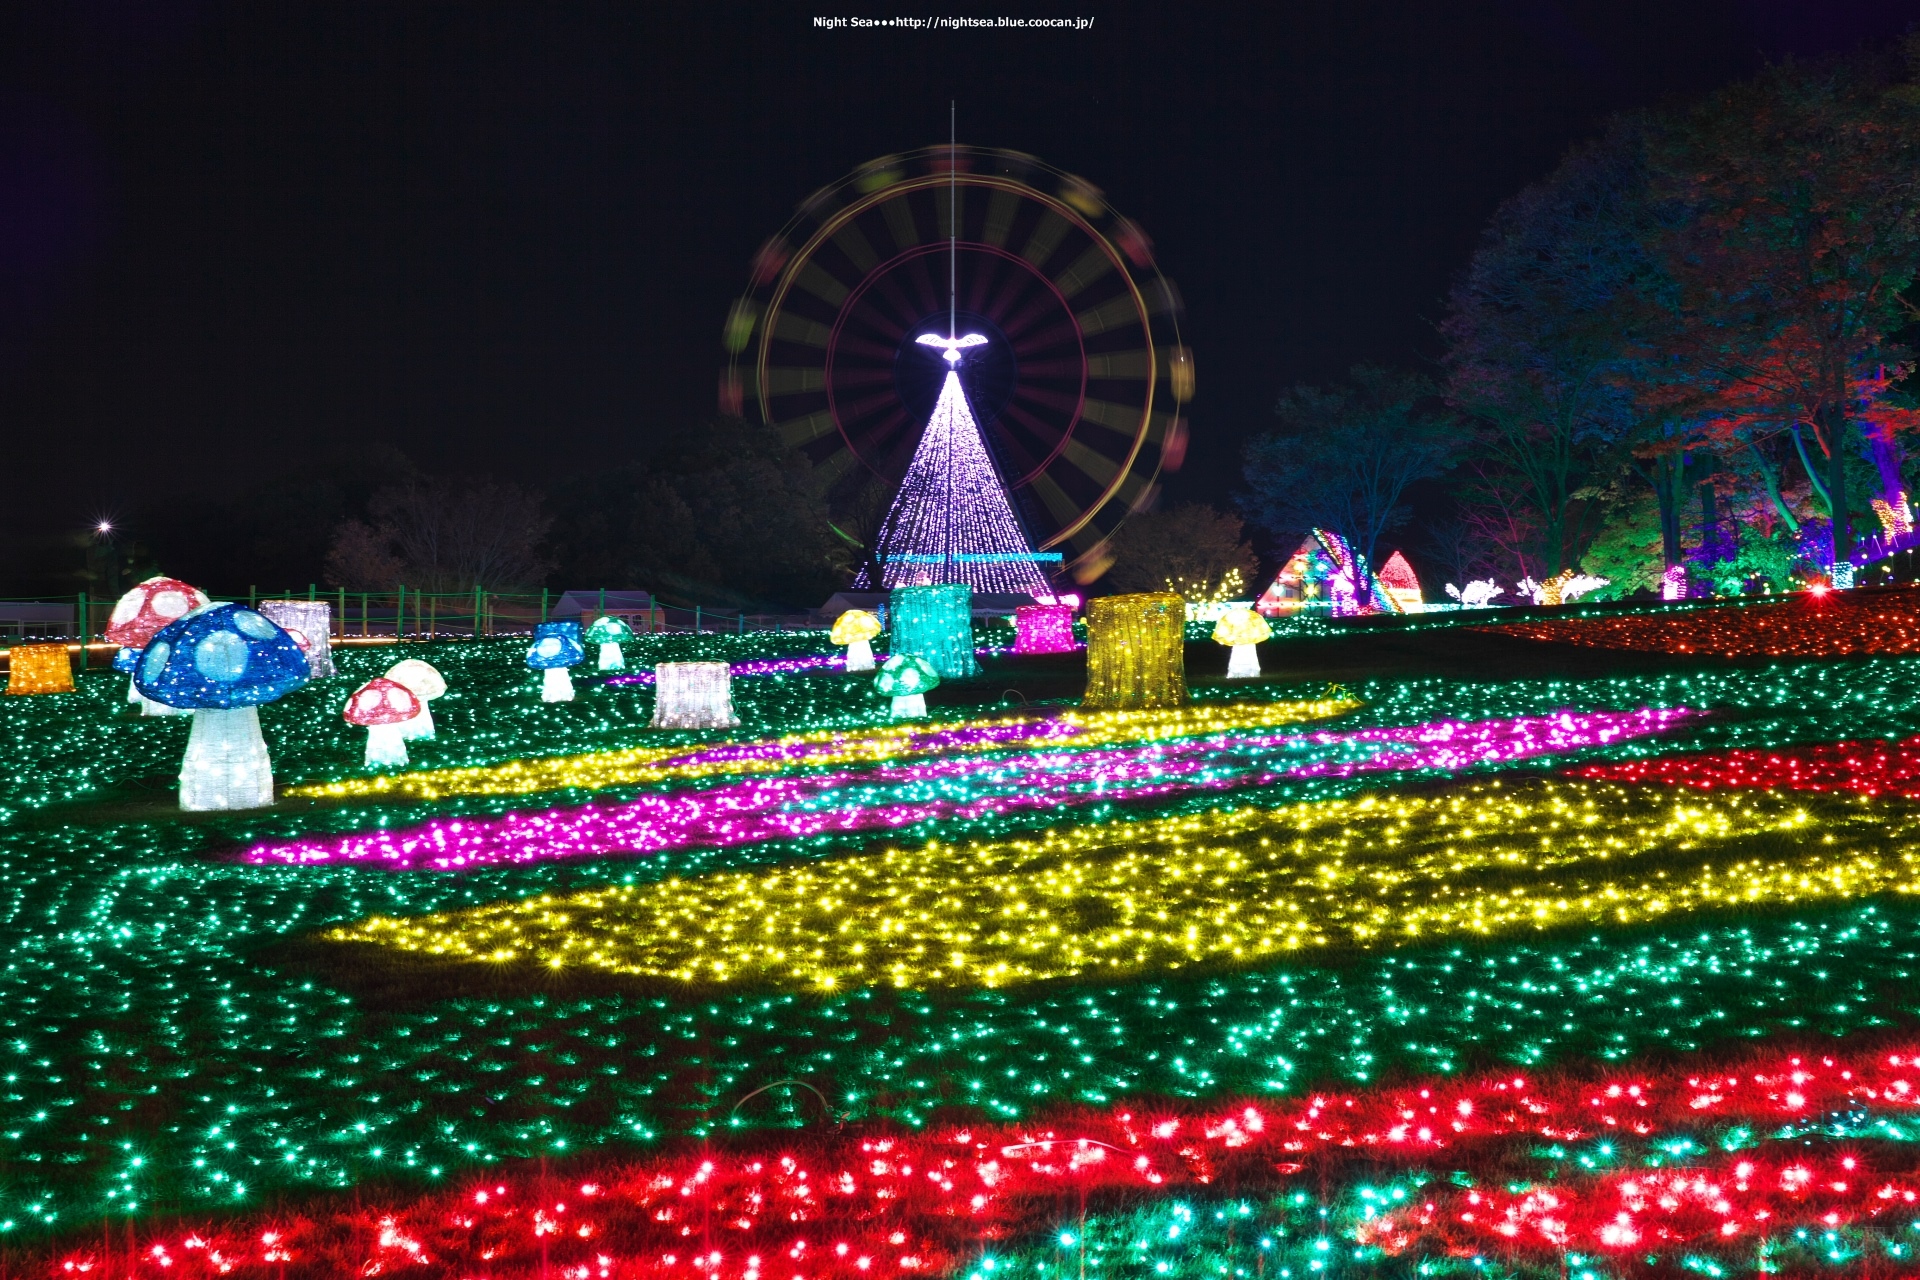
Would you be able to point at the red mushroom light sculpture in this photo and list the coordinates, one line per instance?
(155, 603)
(383, 705)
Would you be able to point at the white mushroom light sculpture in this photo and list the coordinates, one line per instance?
(383, 706)
(426, 684)
(137, 616)
(222, 662)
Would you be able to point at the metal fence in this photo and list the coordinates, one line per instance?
(407, 614)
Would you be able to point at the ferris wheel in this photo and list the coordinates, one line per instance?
(1078, 389)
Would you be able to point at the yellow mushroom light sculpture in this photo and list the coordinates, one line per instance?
(1241, 629)
(856, 629)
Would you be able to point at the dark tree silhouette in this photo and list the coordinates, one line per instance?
(1544, 333)
(730, 516)
(1345, 455)
(1192, 548)
(444, 535)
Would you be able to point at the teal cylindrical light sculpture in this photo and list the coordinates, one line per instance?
(936, 623)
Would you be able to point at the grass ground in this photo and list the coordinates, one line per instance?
(185, 1039)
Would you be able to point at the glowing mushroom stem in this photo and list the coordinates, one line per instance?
(556, 685)
(611, 658)
(910, 706)
(148, 707)
(860, 655)
(1243, 662)
(387, 744)
(227, 766)
(418, 728)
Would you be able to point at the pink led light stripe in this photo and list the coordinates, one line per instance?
(759, 809)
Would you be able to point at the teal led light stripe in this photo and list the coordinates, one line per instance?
(978, 558)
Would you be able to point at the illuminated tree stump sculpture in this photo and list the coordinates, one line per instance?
(310, 623)
(1136, 651)
(39, 668)
(693, 695)
(935, 623)
(1044, 628)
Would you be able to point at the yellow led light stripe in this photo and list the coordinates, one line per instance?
(887, 743)
(1121, 898)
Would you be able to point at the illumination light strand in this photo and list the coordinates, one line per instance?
(874, 1201)
(892, 796)
(1233, 886)
(828, 747)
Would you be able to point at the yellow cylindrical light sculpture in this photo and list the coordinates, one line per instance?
(1136, 651)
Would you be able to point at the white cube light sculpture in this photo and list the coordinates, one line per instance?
(693, 695)
(310, 623)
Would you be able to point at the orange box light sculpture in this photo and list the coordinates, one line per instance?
(39, 668)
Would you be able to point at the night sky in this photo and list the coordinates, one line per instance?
(503, 238)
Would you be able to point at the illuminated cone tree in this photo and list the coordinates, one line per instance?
(952, 520)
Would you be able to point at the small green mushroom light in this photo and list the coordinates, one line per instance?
(856, 629)
(906, 679)
(1243, 629)
(610, 633)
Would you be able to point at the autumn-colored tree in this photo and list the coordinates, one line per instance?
(1801, 192)
(1764, 419)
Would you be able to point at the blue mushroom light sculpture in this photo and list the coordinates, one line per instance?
(221, 662)
(556, 646)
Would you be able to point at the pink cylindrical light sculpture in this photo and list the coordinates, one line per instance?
(1043, 628)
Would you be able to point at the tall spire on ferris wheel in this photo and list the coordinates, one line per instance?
(952, 520)
(953, 343)
(953, 224)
